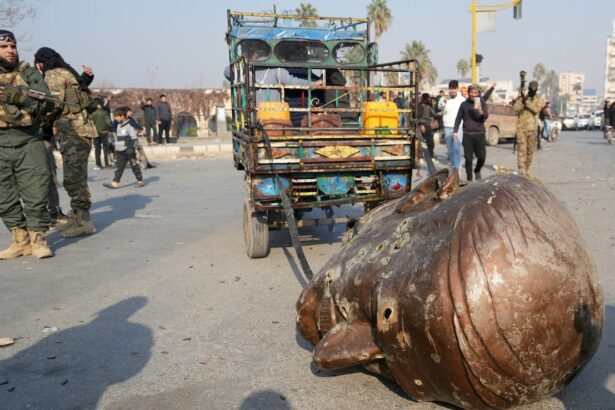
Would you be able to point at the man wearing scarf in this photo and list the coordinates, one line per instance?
(74, 130)
(24, 176)
(527, 107)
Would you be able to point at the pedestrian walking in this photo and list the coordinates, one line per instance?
(425, 115)
(473, 112)
(450, 107)
(527, 107)
(125, 142)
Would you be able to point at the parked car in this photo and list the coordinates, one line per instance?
(569, 123)
(582, 121)
(502, 123)
(595, 120)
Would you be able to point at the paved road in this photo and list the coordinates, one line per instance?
(161, 309)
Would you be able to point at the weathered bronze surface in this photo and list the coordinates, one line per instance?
(483, 297)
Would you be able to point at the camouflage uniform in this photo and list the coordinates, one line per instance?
(74, 132)
(24, 176)
(527, 129)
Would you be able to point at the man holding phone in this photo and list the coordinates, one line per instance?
(473, 112)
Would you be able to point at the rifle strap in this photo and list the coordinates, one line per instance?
(288, 210)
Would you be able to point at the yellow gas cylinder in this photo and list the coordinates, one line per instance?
(380, 114)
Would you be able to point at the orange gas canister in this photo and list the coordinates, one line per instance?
(273, 110)
(380, 114)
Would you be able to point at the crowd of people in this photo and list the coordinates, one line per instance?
(461, 114)
(50, 106)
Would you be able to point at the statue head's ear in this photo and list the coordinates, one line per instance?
(423, 192)
(345, 345)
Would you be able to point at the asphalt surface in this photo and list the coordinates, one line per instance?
(161, 309)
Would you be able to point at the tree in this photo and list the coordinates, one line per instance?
(463, 67)
(307, 10)
(550, 84)
(565, 99)
(380, 15)
(12, 12)
(577, 90)
(419, 52)
(539, 72)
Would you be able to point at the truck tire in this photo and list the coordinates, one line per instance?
(255, 231)
(493, 135)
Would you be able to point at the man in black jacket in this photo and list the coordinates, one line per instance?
(473, 112)
(164, 117)
(149, 119)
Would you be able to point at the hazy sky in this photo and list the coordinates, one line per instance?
(180, 43)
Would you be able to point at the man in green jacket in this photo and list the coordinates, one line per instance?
(102, 122)
(24, 175)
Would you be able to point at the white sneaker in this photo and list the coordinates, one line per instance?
(96, 168)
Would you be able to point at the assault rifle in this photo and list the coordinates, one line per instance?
(34, 94)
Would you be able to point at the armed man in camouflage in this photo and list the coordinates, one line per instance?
(74, 130)
(528, 107)
(24, 176)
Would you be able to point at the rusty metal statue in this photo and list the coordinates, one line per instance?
(483, 297)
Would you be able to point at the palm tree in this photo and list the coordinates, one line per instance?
(550, 84)
(539, 72)
(380, 15)
(418, 51)
(307, 10)
(566, 100)
(577, 90)
(463, 67)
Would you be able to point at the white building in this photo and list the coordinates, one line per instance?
(609, 73)
(567, 81)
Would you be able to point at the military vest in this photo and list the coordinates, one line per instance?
(10, 115)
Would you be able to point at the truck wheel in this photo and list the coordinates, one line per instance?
(493, 135)
(255, 231)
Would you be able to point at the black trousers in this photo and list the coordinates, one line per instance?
(150, 131)
(474, 144)
(428, 135)
(126, 157)
(101, 143)
(165, 125)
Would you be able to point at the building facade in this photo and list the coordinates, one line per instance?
(609, 73)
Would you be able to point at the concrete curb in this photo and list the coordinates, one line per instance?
(179, 151)
(174, 152)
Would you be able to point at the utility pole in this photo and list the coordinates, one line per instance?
(473, 11)
(491, 8)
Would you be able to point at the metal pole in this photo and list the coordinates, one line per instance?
(473, 42)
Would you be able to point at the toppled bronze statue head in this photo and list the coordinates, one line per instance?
(481, 297)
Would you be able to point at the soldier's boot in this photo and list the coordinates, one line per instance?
(58, 219)
(64, 222)
(20, 245)
(82, 225)
(40, 247)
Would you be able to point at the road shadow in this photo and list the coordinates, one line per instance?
(72, 368)
(589, 389)
(104, 213)
(265, 400)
